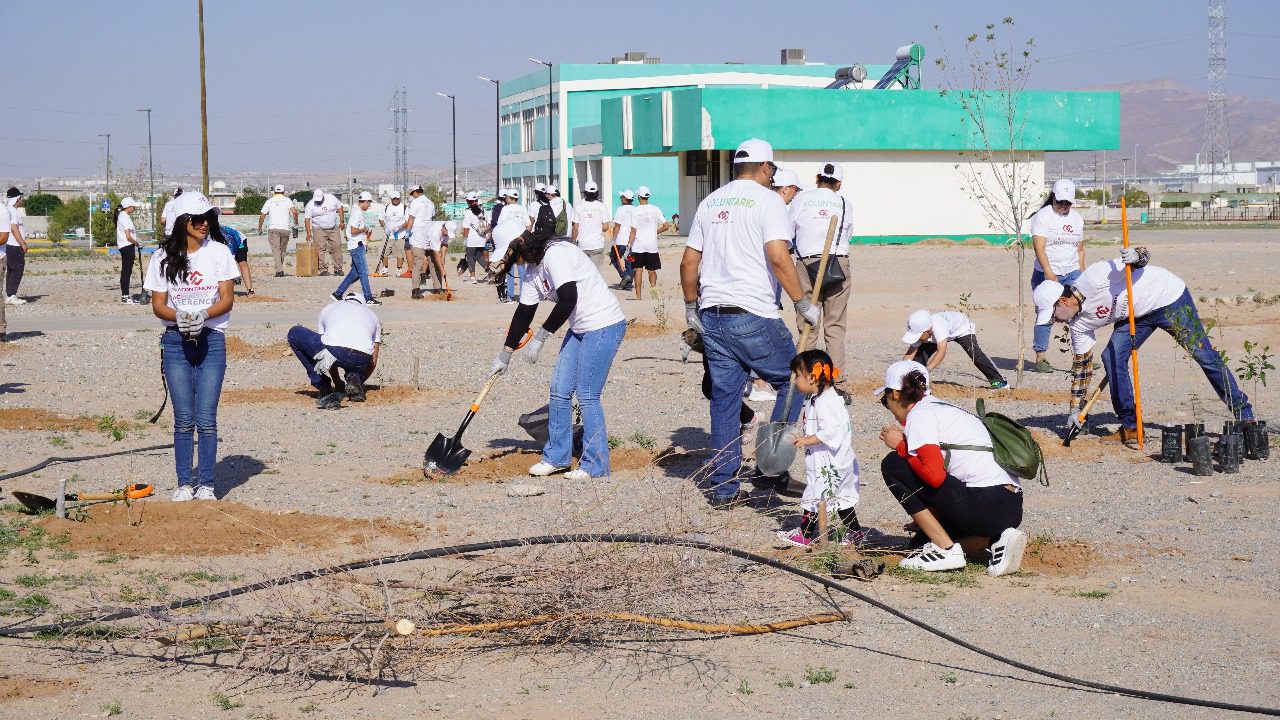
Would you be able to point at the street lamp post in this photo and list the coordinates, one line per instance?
(453, 105)
(108, 137)
(551, 148)
(497, 136)
(151, 173)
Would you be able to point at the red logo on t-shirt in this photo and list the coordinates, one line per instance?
(724, 215)
(1102, 311)
(195, 278)
(823, 212)
(1066, 228)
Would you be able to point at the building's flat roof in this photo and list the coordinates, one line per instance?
(584, 71)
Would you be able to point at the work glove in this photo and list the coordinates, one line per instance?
(1075, 424)
(1135, 257)
(324, 361)
(534, 346)
(807, 311)
(692, 318)
(190, 323)
(501, 362)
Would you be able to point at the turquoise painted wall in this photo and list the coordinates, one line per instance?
(661, 174)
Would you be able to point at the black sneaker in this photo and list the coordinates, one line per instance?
(372, 301)
(355, 389)
(332, 401)
(728, 502)
(417, 294)
(324, 273)
(335, 296)
(280, 274)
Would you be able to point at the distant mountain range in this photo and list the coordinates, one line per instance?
(1165, 119)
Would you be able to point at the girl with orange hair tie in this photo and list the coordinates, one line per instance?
(830, 465)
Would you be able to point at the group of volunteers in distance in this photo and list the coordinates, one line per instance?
(752, 242)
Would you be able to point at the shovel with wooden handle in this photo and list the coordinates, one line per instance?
(1084, 413)
(445, 455)
(774, 453)
(40, 503)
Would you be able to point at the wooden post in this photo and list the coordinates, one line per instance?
(823, 537)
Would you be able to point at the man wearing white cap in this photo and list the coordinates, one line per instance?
(358, 236)
(512, 221)
(929, 334)
(647, 222)
(535, 203)
(392, 219)
(15, 248)
(591, 219)
(418, 223)
(787, 184)
(1161, 300)
(566, 219)
(622, 220)
(811, 214)
(279, 213)
(1057, 235)
(738, 253)
(324, 217)
(475, 235)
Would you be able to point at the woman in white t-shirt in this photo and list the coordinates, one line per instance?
(557, 270)
(511, 222)
(1057, 234)
(960, 501)
(190, 279)
(128, 244)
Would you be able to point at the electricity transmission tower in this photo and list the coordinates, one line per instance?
(400, 129)
(1217, 150)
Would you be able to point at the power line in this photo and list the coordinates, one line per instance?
(1123, 47)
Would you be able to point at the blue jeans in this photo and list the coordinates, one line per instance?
(193, 373)
(1180, 320)
(1042, 332)
(735, 345)
(359, 269)
(583, 366)
(624, 268)
(512, 275)
(306, 343)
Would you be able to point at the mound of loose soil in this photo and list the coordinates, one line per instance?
(16, 687)
(954, 391)
(510, 464)
(258, 299)
(213, 528)
(306, 395)
(241, 349)
(642, 331)
(33, 419)
(1059, 558)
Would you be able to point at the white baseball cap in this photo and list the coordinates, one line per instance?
(1045, 296)
(833, 171)
(395, 194)
(1064, 189)
(917, 323)
(643, 191)
(590, 187)
(128, 203)
(472, 196)
(416, 188)
(787, 178)
(894, 374)
(192, 202)
(511, 193)
(317, 195)
(628, 194)
(552, 189)
(754, 150)
(366, 195)
(540, 187)
(279, 188)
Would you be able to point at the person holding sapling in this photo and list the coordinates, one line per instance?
(1161, 301)
(929, 335)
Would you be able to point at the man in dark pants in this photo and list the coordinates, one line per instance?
(349, 338)
(16, 247)
(928, 335)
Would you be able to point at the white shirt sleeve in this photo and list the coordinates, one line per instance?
(695, 233)
(922, 429)
(776, 223)
(1038, 225)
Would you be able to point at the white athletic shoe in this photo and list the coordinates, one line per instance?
(543, 469)
(1006, 552)
(205, 492)
(761, 396)
(14, 300)
(932, 558)
(577, 475)
(183, 494)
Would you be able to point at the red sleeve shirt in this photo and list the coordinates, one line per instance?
(927, 463)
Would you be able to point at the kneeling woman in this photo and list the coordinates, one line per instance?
(190, 279)
(557, 270)
(960, 501)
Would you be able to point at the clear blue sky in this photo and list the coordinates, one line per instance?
(304, 86)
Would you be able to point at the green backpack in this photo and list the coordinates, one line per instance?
(1016, 450)
(562, 220)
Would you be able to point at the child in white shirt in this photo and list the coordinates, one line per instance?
(830, 465)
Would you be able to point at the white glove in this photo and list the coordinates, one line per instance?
(1074, 424)
(534, 346)
(501, 362)
(191, 323)
(807, 311)
(1129, 256)
(324, 361)
(692, 318)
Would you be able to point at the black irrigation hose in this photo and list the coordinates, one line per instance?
(643, 540)
(80, 458)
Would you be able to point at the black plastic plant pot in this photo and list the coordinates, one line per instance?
(1171, 445)
(1201, 456)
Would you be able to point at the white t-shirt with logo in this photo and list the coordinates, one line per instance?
(949, 325)
(1106, 298)
(324, 215)
(933, 422)
(6, 225)
(471, 223)
(512, 221)
(565, 262)
(356, 222)
(1063, 235)
(730, 229)
(591, 218)
(647, 219)
(623, 218)
(279, 210)
(393, 216)
(124, 226)
(827, 417)
(421, 209)
(811, 212)
(211, 264)
(350, 324)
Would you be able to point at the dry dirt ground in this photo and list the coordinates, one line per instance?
(1140, 574)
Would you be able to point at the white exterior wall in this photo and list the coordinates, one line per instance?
(905, 192)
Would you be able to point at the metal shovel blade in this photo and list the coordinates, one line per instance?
(34, 503)
(774, 451)
(445, 456)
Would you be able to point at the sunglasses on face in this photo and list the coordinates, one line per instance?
(884, 399)
(199, 220)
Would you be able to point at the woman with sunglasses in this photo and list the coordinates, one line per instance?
(1057, 234)
(191, 283)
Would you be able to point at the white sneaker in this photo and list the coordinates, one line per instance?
(543, 469)
(761, 396)
(14, 300)
(932, 558)
(1006, 552)
(128, 300)
(183, 494)
(577, 475)
(205, 492)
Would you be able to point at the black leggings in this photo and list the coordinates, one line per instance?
(126, 268)
(963, 511)
(970, 345)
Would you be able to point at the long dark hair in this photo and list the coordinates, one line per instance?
(176, 264)
(116, 218)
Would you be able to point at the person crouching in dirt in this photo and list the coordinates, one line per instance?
(557, 270)
(348, 341)
(960, 503)
(928, 335)
(192, 290)
(1160, 300)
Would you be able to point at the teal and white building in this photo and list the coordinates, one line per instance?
(906, 151)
